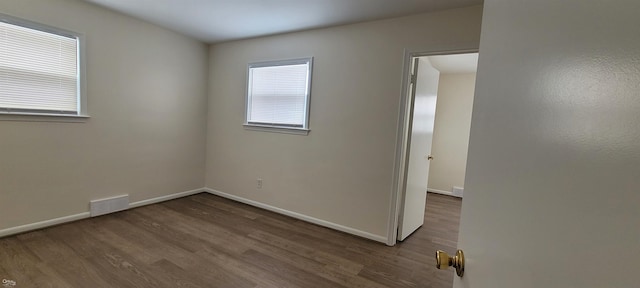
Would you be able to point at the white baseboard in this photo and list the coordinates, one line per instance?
(83, 215)
(448, 193)
(166, 198)
(302, 217)
(43, 224)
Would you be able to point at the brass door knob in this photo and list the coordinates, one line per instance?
(443, 261)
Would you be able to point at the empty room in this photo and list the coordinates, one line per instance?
(267, 143)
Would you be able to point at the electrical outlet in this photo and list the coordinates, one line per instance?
(259, 183)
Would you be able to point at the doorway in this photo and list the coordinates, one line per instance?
(436, 121)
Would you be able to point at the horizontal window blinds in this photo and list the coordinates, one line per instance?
(278, 95)
(38, 71)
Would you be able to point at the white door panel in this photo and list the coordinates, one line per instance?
(423, 113)
(552, 190)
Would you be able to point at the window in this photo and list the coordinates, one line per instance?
(39, 69)
(278, 95)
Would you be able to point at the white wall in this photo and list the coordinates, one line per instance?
(451, 131)
(554, 155)
(342, 171)
(147, 101)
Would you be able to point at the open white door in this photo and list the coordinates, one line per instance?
(553, 174)
(424, 88)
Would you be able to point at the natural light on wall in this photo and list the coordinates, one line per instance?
(38, 71)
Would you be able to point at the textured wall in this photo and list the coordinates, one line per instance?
(342, 171)
(146, 136)
(451, 131)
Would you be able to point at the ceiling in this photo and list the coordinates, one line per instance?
(456, 63)
(223, 20)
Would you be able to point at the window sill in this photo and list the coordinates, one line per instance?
(41, 117)
(276, 129)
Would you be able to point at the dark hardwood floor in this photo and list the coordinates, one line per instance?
(207, 241)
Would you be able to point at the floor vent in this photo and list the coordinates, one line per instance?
(109, 205)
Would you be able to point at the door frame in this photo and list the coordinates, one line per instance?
(403, 139)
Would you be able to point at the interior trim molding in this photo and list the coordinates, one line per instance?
(84, 215)
(448, 193)
(400, 165)
(43, 224)
(166, 198)
(306, 218)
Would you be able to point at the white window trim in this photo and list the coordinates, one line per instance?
(304, 130)
(82, 95)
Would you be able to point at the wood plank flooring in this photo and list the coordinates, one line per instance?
(208, 241)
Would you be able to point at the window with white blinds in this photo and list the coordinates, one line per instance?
(278, 93)
(39, 71)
